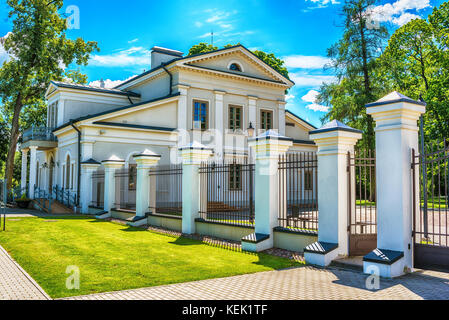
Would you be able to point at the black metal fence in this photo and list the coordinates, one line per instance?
(125, 188)
(166, 180)
(298, 191)
(362, 218)
(227, 192)
(431, 222)
(98, 189)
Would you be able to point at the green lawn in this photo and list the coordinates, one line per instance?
(114, 257)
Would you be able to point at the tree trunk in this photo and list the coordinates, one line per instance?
(14, 138)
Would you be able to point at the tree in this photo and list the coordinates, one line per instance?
(353, 58)
(416, 63)
(269, 58)
(39, 50)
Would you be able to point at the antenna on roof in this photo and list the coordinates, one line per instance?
(212, 37)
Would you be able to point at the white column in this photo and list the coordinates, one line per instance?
(268, 147)
(182, 107)
(61, 106)
(110, 166)
(23, 179)
(87, 169)
(252, 112)
(219, 123)
(192, 155)
(145, 161)
(396, 119)
(281, 108)
(33, 169)
(334, 141)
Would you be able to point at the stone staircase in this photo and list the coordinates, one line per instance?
(56, 207)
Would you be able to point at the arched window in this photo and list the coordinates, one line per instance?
(235, 67)
(67, 172)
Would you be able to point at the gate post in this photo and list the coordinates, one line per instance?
(334, 141)
(192, 156)
(396, 119)
(110, 165)
(268, 146)
(145, 161)
(87, 168)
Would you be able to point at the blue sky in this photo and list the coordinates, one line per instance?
(298, 31)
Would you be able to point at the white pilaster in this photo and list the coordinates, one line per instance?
(87, 169)
(182, 106)
(192, 156)
(268, 147)
(110, 166)
(252, 111)
(396, 119)
(281, 108)
(87, 148)
(145, 161)
(219, 123)
(334, 141)
(23, 178)
(33, 170)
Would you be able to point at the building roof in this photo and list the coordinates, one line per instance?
(298, 117)
(90, 116)
(76, 86)
(335, 125)
(197, 55)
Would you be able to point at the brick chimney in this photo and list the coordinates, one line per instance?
(161, 55)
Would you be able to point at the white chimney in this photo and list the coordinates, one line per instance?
(102, 83)
(161, 55)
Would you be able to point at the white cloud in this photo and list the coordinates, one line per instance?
(397, 12)
(134, 56)
(108, 83)
(198, 24)
(4, 56)
(317, 107)
(310, 96)
(305, 62)
(133, 40)
(289, 97)
(308, 80)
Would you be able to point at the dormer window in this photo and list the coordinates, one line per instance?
(235, 67)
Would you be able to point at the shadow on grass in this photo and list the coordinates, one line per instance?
(72, 217)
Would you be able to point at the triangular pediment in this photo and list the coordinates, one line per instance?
(250, 65)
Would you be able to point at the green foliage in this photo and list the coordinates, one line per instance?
(353, 58)
(201, 47)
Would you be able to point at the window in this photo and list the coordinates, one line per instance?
(132, 170)
(235, 177)
(235, 117)
(72, 178)
(52, 115)
(200, 115)
(308, 180)
(266, 120)
(235, 67)
(67, 173)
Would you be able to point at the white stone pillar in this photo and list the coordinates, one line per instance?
(334, 141)
(268, 147)
(23, 178)
(145, 161)
(219, 123)
(396, 119)
(182, 107)
(110, 166)
(87, 169)
(192, 156)
(33, 170)
(281, 108)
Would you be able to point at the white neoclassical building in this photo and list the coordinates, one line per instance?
(213, 98)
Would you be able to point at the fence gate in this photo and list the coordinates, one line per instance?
(431, 220)
(98, 189)
(362, 225)
(227, 192)
(166, 189)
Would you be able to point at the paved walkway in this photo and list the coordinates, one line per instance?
(15, 283)
(304, 283)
